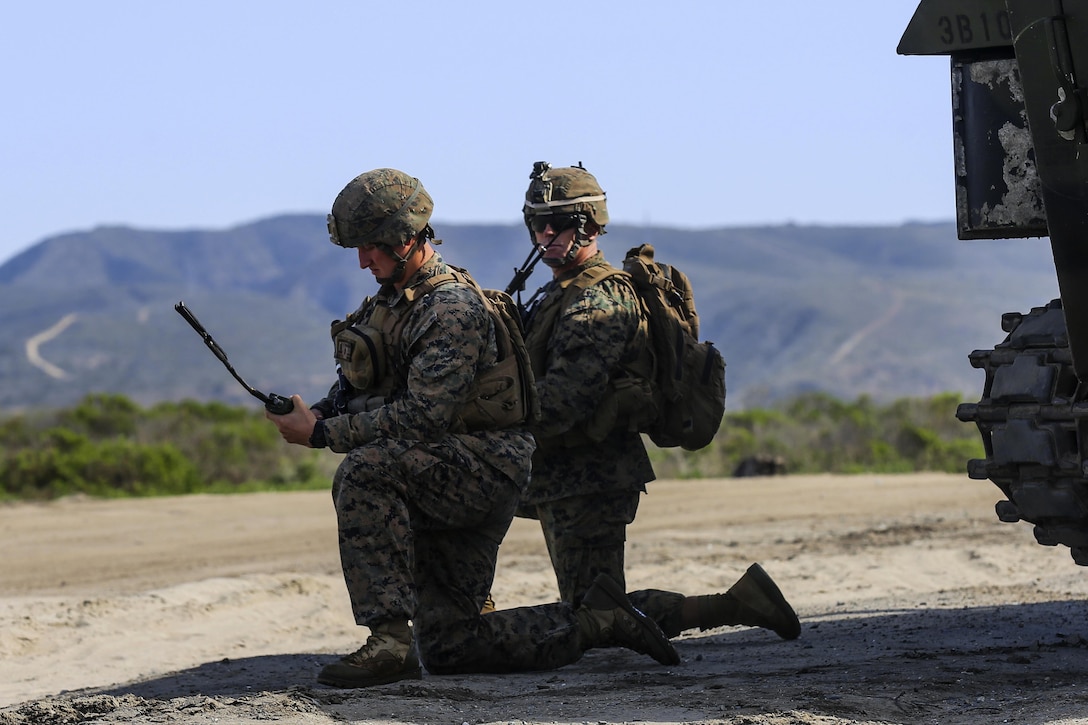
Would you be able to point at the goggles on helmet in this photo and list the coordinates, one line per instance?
(558, 222)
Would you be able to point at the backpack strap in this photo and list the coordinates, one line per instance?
(672, 284)
(543, 317)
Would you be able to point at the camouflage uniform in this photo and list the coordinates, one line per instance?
(587, 340)
(586, 492)
(421, 510)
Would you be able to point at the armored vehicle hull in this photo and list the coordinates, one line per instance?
(1021, 162)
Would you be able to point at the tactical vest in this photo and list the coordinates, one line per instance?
(628, 403)
(367, 349)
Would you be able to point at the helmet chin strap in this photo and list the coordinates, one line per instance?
(556, 262)
(402, 262)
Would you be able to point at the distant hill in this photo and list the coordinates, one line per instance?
(884, 311)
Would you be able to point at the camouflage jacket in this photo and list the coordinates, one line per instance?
(448, 336)
(598, 330)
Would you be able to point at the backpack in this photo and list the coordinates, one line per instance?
(688, 380)
(518, 398)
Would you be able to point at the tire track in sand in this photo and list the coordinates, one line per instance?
(34, 343)
(850, 343)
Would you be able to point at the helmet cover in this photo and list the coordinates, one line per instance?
(567, 190)
(385, 207)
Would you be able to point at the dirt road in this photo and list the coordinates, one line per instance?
(917, 606)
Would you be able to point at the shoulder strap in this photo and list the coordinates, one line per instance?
(424, 288)
(591, 276)
(584, 280)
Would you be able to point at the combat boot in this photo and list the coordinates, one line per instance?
(755, 600)
(606, 618)
(389, 655)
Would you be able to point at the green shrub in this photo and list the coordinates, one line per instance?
(106, 445)
(816, 433)
(103, 414)
(108, 468)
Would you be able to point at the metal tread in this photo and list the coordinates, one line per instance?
(1034, 429)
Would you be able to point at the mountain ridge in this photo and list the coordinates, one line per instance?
(884, 311)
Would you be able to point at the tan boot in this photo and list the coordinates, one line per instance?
(389, 655)
(607, 619)
(755, 600)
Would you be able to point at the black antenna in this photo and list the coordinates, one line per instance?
(276, 404)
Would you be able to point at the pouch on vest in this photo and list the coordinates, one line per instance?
(505, 395)
(360, 353)
(497, 401)
(627, 404)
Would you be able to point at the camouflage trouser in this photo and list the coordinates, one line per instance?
(420, 526)
(585, 536)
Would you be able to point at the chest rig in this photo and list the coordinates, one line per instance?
(367, 348)
(628, 401)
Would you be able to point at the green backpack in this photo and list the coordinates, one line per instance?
(688, 379)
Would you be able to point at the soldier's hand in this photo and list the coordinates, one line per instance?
(298, 425)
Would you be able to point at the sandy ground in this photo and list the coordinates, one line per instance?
(917, 606)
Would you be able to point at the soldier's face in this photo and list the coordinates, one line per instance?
(555, 245)
(378, 261)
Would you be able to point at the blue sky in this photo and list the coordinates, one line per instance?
(694, 114)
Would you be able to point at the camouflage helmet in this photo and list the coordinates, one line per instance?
(567, 190)
(384, 207)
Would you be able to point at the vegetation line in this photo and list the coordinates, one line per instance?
(110, 447)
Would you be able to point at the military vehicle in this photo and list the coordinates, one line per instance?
(1020, 150)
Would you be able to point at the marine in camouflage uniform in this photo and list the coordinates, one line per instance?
(585, 489)
(586, 331)
(424, 495)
